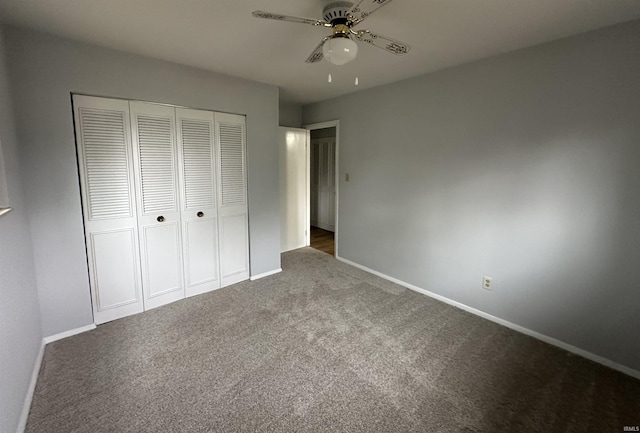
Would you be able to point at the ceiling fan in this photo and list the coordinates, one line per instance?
(339, 47)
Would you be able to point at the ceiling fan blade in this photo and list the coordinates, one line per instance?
(391, 45)
(364, 8)
(317, 54)
(280, 17)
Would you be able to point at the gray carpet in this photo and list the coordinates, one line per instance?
(321, 346)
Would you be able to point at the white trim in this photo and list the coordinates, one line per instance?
(307, 189)
(550, 340)
(265, 274)
(26, 406)
(321, 125)
(69, 333)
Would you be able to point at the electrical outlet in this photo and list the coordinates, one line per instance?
(486, 282)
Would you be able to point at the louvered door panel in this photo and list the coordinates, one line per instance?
(232, 163)
(232, 206)
(104, 148)
(157, 163)
(199, 212)
(197, 152)
(106, 163)
(154, 138)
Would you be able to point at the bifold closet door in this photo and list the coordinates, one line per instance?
(164, 196)
(105, 150)
(323, 183)
(198, 197)
(155, 163)
(232, 201)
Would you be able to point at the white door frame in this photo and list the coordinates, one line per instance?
(322, 125)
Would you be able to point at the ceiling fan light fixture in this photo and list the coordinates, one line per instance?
(340, 50)
(341, 16)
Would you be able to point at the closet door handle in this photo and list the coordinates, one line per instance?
(200, 214)
(160, 219)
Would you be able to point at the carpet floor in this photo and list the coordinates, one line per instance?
(321, 347)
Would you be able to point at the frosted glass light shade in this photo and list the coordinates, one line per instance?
(339, 50)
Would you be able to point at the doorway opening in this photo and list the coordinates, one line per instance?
(323, 186)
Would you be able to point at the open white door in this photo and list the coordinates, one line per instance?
(294, 188)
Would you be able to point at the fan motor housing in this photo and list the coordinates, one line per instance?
(335, 12)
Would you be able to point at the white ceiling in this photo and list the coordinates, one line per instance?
(222, 36)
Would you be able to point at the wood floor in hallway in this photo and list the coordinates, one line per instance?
(323, 240)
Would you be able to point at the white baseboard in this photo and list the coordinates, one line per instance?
(265, 274)
(65, 334)
(22, 423)
(550, 340)
(26, 406)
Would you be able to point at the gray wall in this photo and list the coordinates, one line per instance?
(44, 70)
(20, 334)
(290, 114)
(524, 167)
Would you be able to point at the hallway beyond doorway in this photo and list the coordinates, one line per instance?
(323, 240)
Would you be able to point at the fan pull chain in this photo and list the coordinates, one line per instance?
(330, 80)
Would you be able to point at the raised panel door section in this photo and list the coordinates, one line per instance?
(232, 203)
(201, 251)
(198, 192)
(153, 131)
(161, 253)
(114, 265)
(234, 259)
(105, 151)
